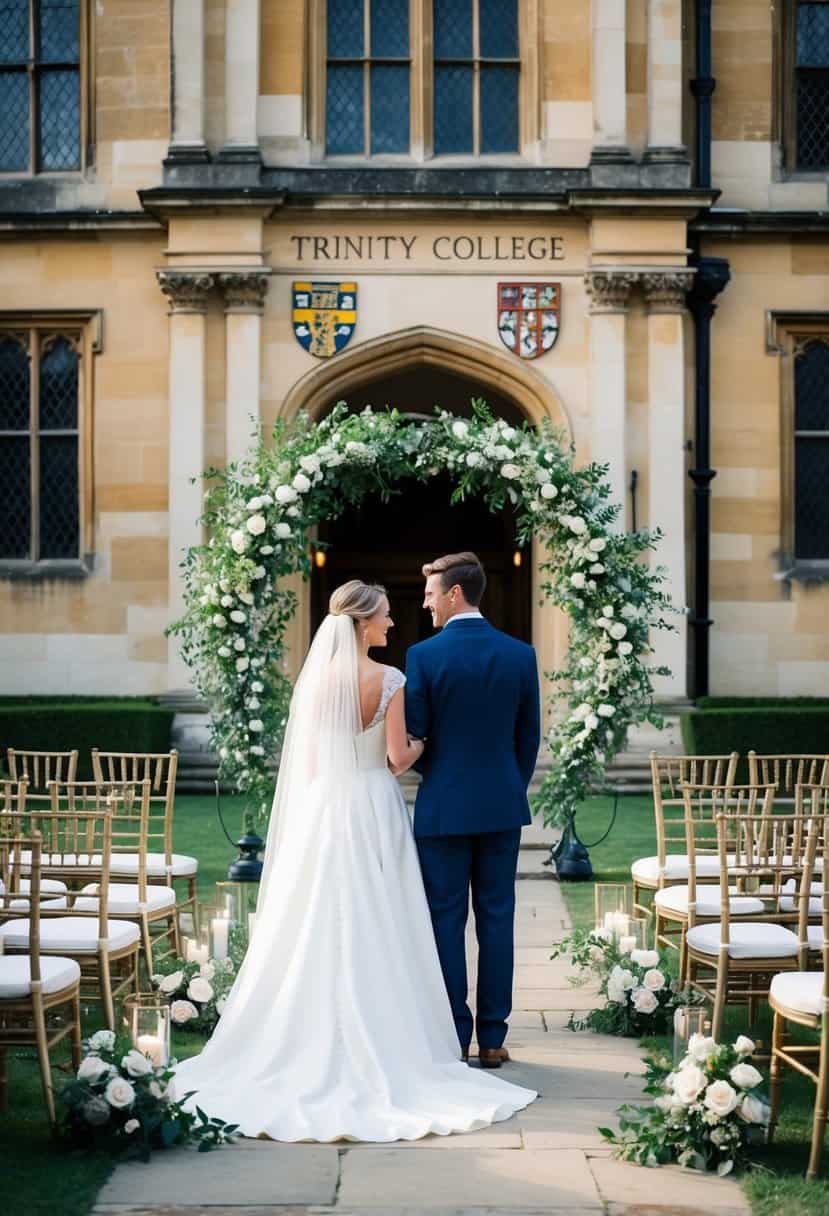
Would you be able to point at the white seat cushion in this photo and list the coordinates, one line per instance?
(70, 934)
(815, 933)
(123, 899)
(181, 865)
(62, 859)
(48, 886)
(675, 899)
(747, 940)
(788, 903)
(15, 977)
(798, 990)
(646, 869)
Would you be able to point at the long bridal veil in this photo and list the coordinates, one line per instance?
(323, 723)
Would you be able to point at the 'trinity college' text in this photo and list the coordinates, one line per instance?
(444, 248)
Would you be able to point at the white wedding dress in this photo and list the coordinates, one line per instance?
(339, 1025)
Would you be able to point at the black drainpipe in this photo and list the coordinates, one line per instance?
(711, 277)
(702, 88)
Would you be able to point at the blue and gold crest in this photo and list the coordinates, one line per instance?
(324, 316)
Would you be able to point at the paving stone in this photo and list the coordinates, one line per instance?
(553, 998)
(572, 1124)
(532, 955)
(565, 1078)
(532, 863)
(519, 1020)
(556, 1181)
(634, 1185)
(536, 835)
(495, 1136)
(251, 1172)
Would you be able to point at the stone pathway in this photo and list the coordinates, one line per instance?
(547, 1159)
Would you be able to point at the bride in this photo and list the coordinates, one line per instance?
(338, 1024)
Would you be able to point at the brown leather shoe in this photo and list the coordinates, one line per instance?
(492, 1057)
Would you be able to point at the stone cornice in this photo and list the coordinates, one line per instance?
(187, 290)
(244, 291)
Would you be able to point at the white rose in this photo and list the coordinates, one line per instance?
(259, 572)
(285, 494)
(607, 610)
(224, 652)
(745, 1076)
(311, 464)
(615, 991)
(689, 1083)
(238, 616)
(597, 568)
(131, 1125)
(625, 648)
(157, 1090)
(171, 982)
(510, 471)
(227, 601)
(744, 1046)
(256, 750)
(256, 725)
(93, 1068)
(243, 663)
(597, 544)
(473, 459)
(645, 958)
(591, 722)
(219, 621)
(548, 490)
(238, 541)
(136, 1063)
(207, 970)
(254, 504)
(200, 989)
(502, 452)
(104, 1040)
(627, 979)
(301, 483)
(239, 644)
(606, 711)
(183, 1011)
(576, 524)
(265, 551)
(720, 1098)
(578, 580)
(119, 1093)
(460, 429)
(644, 1001)
(752, 1110)
(283, 531)
(654, 980)
(257, 686)
(581, 711)
(701, 1047)
(617, 631)
(256, 525)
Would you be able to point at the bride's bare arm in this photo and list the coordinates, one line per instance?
(402, 752)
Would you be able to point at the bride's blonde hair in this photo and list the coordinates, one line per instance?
(356, 599)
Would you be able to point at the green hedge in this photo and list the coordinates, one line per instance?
(761, 702)
(123, 724)
(785, 728)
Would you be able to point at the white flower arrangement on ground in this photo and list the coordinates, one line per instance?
(640, 994)
(119, 1101)
(258, 514)
(705, 1113)
(197, 991)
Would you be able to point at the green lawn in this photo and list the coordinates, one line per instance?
(784, 1189)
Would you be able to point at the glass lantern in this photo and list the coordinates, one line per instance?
(148, 1021)
(688, 1020)
(612, 908)
(635, 935)
(219, 924)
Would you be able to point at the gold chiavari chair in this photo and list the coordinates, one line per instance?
(163, 865)
(33, 985)
(77, 841)
(787, 772)
(14, 797)
(670, 865)
(39, 769)
(802, 999)
(136, 899)
(760, 851)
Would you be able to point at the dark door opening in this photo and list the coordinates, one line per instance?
(389, 542)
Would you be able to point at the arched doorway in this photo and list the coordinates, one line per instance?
(390, 542)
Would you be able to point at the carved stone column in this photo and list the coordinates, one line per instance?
(187, 292)
(609, 291)
(244, 294)
(242, 38)
(187, 143)
(608, 77)
(665, 292)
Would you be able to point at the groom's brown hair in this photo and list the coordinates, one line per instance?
(463, 569)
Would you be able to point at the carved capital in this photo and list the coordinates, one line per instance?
(244, 290)
(187, 290)
(665, 290)
(609, 290)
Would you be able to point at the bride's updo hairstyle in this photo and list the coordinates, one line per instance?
(356, 599)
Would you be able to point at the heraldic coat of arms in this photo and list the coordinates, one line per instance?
(324, 316)
(528, 317)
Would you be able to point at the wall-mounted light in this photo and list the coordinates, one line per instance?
(517, 558)
(320, 558)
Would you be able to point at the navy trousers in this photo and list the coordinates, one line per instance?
(485, 862)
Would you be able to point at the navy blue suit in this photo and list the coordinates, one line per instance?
(472, 694)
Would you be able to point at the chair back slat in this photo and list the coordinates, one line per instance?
(159, 769)
(668, 775)
(38, 769)
(787, 772)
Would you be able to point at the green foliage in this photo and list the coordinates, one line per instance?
(761, 702)
(199, 1009)
(259, 513)
(782, 729)
(129, 725)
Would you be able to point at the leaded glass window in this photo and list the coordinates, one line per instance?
(367, 77)
(476, 77)
(39, 445)
(40, 85)
(811, 86)
(811, 452)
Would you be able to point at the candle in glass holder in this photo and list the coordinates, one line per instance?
(616, 923)
(195, 953)
(220, 933)
(151, 1045)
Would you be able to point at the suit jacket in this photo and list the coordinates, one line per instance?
(472, 694)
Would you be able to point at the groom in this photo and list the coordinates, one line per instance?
(472, 694)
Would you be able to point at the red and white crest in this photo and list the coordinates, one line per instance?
(529, 315)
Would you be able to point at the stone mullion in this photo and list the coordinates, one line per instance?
(188, 83)
(242, 47)
(665, 81)
(608, 74)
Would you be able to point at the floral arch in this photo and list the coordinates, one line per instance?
(259, 512)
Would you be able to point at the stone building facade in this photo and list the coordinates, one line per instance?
(171, 169)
